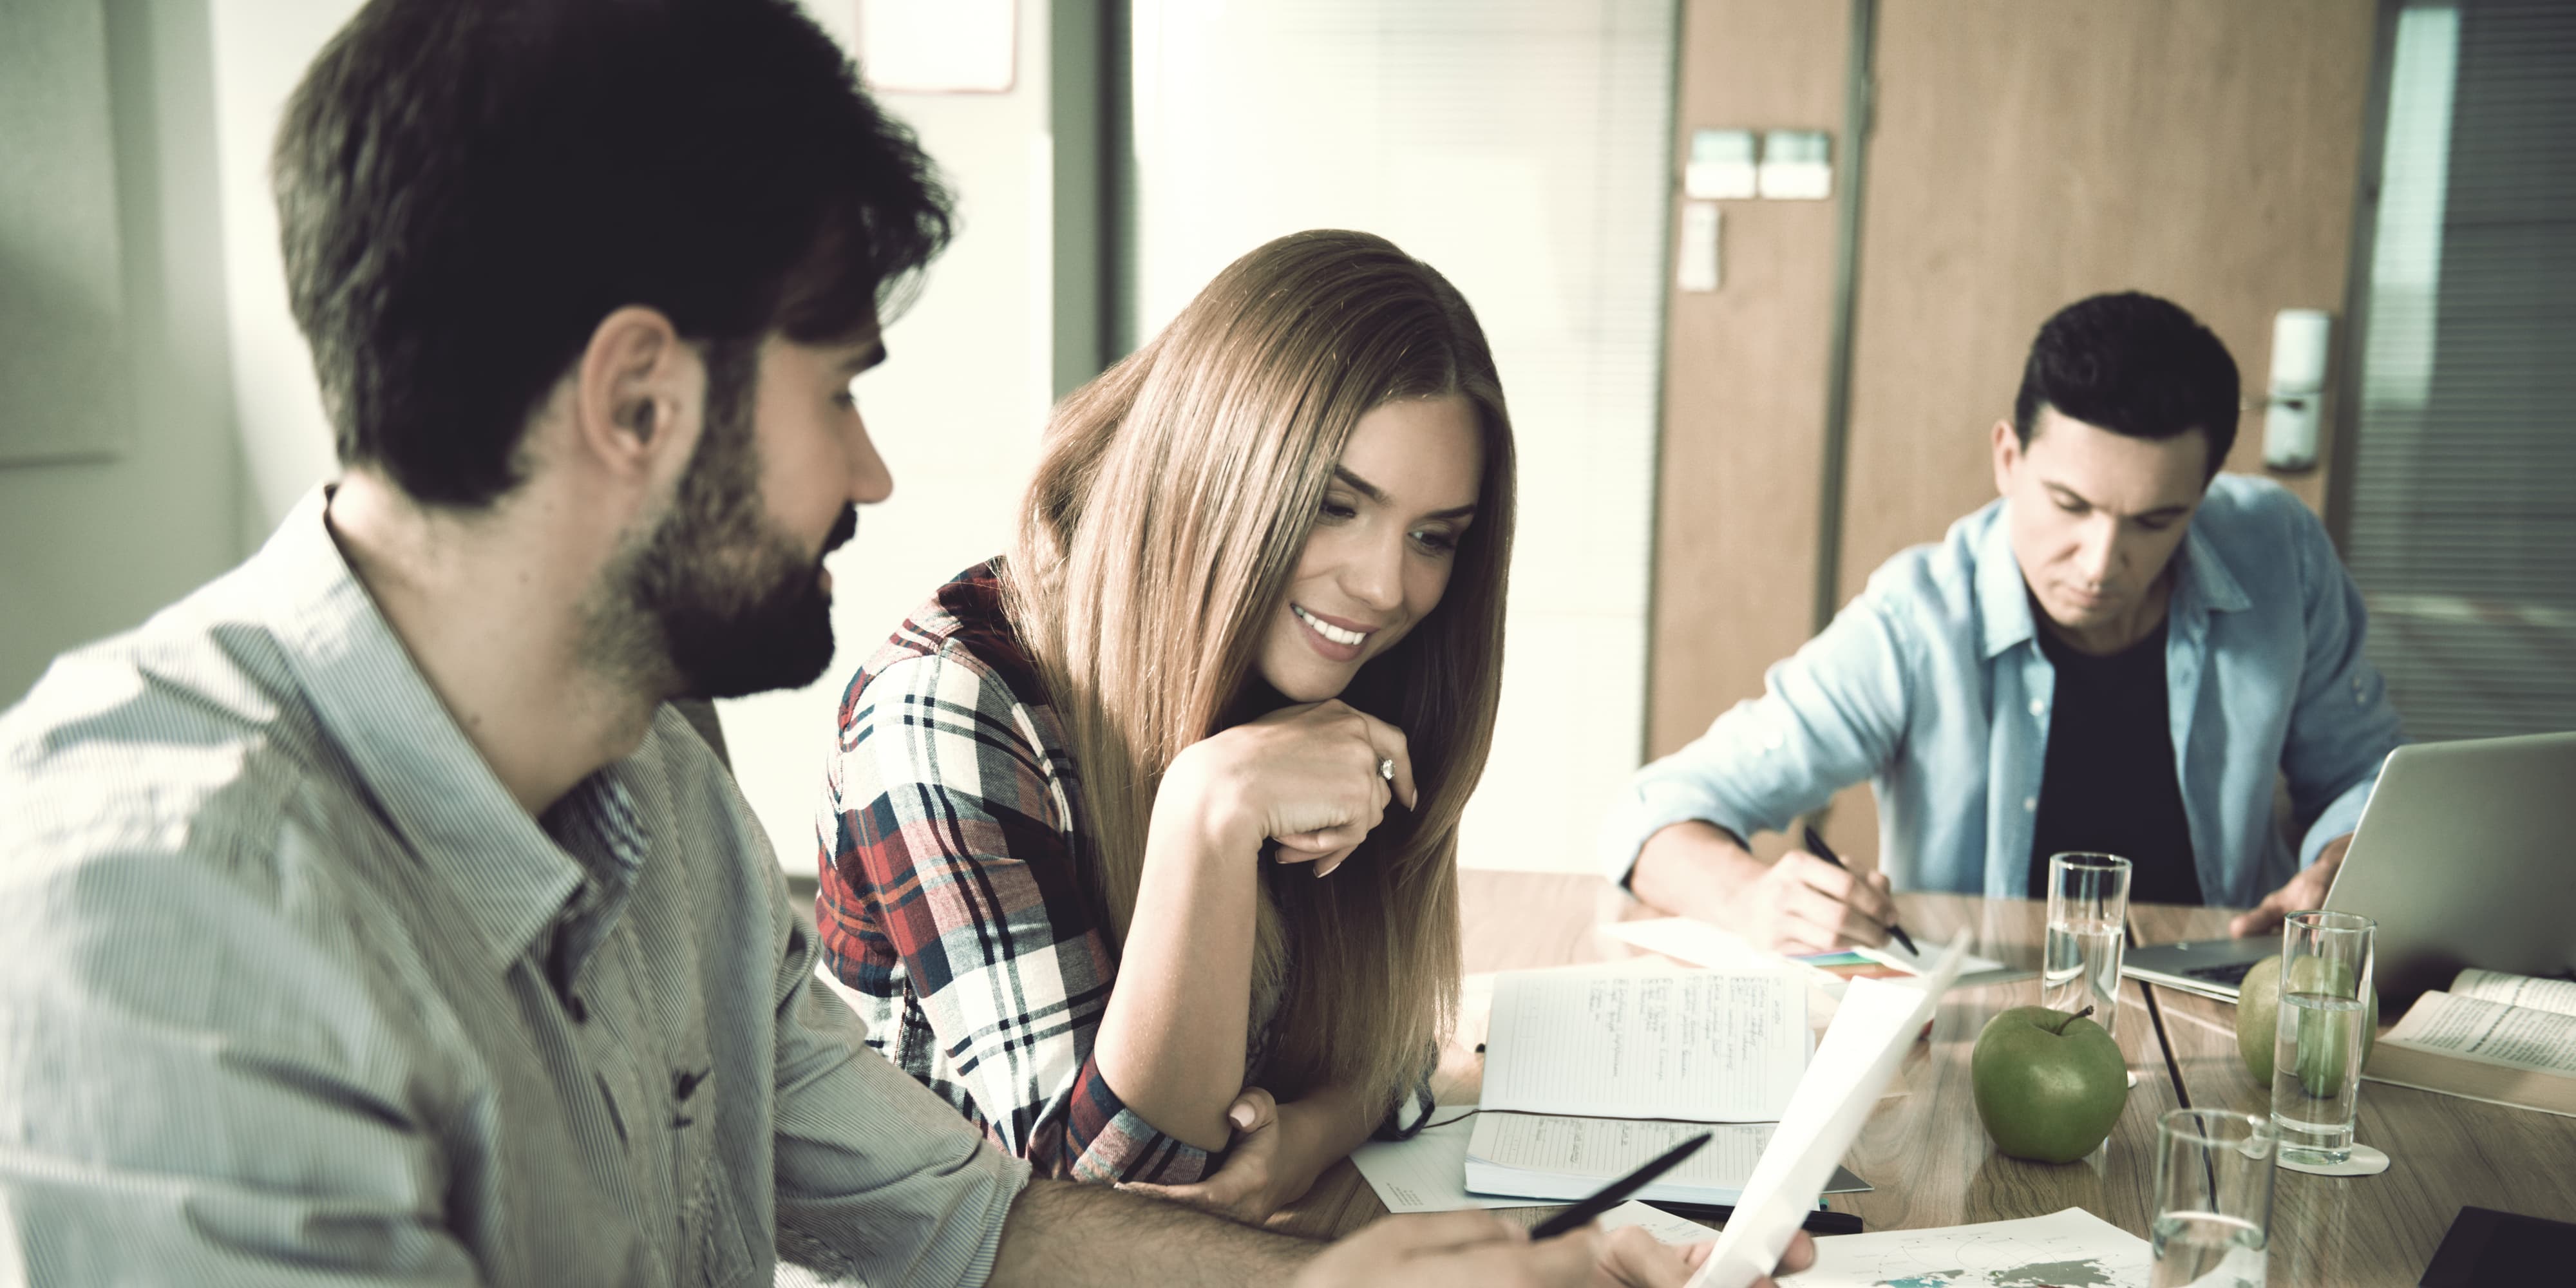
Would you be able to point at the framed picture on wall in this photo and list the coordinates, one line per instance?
(62, 278)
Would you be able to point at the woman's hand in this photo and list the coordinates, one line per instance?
(1251, 1185)
(1304, 776)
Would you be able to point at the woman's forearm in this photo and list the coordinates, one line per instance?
(1171, 1042)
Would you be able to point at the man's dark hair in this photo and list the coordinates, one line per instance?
(2132, 364)
(465, 188)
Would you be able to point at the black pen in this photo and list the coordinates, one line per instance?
(1581, 1214)
(1820, 1221)
(1816, 846)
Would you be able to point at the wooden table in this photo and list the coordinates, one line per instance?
(1931, 1161)
(2445, 1152)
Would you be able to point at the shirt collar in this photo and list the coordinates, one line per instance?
(2003, 598)
(2202, 579)
(433, 788)
(2202, 582)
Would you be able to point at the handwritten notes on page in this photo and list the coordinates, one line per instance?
(1869, 1037)
(1548, 1156)
(1703, 1046)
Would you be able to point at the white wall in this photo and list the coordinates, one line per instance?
(1519, 147)
(89, 548)
(261, 48)
(956, 410)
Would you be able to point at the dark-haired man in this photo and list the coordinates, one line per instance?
(370, 917)
(2120, 654)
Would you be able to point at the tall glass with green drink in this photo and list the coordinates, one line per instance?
(2326, 960)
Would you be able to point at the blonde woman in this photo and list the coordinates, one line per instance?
(1140, 841)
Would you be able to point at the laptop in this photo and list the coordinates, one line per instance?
(2465, 856)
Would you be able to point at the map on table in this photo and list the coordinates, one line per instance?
(2069, 1249)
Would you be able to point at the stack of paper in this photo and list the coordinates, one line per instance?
(1588, 1075)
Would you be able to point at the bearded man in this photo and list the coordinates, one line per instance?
(371, 916)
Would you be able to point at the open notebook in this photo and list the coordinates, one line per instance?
(1589, 1074)
(1551, 1156)
(1695, 1045)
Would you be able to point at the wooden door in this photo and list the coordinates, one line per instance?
(2021, 154)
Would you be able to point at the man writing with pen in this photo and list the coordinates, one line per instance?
(2119, 654)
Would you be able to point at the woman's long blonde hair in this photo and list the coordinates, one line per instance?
(1170, 507)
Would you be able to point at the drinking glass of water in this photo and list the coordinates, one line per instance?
(2213, 1199)
(2088, 904)
(2326, 960)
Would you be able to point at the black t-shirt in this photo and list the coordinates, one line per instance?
(2109, 783)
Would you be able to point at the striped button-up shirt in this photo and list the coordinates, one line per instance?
(293, 992)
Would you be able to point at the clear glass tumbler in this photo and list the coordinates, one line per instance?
(2088, 907)
(2213, 1199)
(2326, 960)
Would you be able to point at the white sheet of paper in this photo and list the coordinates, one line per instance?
(1580, 1155)
(2069, 1247)
(1429, 1172)
(1868, 1039)
(1666, 1227)
(1894, 954)
(1697, 942)
(1705, 1046)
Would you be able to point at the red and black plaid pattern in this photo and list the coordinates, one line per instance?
(953, 902)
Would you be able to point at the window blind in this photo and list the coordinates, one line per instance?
(2463, 520)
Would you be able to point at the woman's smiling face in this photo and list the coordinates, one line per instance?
(1380, 555)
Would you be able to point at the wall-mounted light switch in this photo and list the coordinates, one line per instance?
(1797, 165)
(1721, 165)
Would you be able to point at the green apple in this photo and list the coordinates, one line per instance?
(2049, 1084)
(2258, 1013)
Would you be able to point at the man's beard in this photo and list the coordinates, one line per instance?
(737, 605)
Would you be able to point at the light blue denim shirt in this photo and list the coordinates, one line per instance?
(1932, 684)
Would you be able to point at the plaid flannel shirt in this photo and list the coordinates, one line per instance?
(953, 902)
